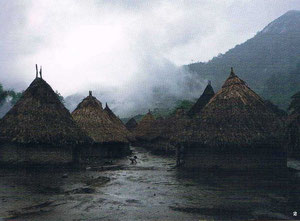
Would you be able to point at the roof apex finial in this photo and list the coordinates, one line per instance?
(41, 72)
(36, 71)
(90, 93)
(232, 74)
(106, 104)
(209, 82)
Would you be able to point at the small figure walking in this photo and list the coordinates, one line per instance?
(133, 160)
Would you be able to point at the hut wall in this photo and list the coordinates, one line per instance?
(11, 154)
(106, 151)
(237, 160)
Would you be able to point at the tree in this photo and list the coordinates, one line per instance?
(60, 97)
(15, 96)
(3, 94)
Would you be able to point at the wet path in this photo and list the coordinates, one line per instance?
(150, 190)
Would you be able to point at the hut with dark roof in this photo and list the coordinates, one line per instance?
(207, 94)
(131, 124)
(39, 130)
(235, 130)
(109, 138)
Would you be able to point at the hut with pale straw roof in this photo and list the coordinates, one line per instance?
(235, 130)
(39, 130)
(109, 138)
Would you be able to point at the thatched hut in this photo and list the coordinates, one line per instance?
(235, 130)
(207, 94)
(117, 121)
(131, 124)
(143, 126)
(109, 139)
(40, 130)
(155, 134)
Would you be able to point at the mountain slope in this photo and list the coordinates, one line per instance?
(272, 54)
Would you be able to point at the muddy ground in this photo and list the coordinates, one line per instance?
(150, 190)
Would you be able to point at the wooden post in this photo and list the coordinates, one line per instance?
(37, 71)
(41, 72)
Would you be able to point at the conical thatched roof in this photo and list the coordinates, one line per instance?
(144, 125)
(235, 116)
(202, 101)
(118, 122)
(40, 118)
(131, 124)
(91, 117)
(112, 116)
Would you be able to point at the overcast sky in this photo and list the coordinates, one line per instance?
(118, 44)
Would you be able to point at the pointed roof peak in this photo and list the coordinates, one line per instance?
(232, 74)
(233, 79)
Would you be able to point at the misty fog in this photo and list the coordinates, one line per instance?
(129, 53)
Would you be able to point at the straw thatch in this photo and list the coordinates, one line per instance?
(235, 130)
(235, 117)
(144, 125)
(156, 134)
(40, 118)
(91, 117)
(131, 124)
(207, 94)
(118, 123)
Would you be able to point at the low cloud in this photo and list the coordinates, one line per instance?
(128, 52)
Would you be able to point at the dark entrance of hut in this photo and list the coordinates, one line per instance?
(152, 189)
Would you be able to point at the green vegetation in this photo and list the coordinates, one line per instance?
(3, 94)
(269, 62)
(60, 97)
(164, 112)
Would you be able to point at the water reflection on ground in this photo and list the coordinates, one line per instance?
(150, 190)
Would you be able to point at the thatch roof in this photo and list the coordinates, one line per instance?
(165, 128)
(144, 125)
(91, 117)
(207, 94)
(40, 118)
(235, 116)
(118, 122)
(131, 124)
